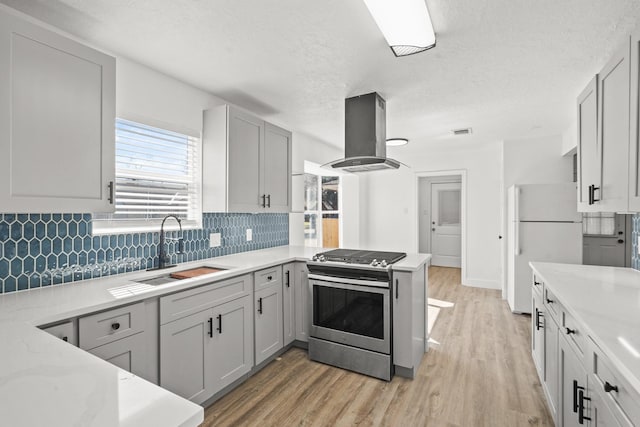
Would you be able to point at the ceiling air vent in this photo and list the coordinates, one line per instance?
(466, 131)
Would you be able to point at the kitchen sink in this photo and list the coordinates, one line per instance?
(176, 276)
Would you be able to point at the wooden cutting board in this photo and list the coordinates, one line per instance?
(194, 272)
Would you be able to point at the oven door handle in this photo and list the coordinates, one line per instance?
(344, 280)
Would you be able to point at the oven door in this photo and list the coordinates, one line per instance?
(351, 312)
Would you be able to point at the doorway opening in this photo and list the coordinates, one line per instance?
(441, 217)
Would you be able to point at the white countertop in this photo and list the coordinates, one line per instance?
(606, 300)
(45, 381)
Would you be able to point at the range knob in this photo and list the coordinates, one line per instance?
(383, 263)
(321, 258)
(374, 263)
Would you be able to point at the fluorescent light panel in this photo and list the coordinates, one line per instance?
(405, 24)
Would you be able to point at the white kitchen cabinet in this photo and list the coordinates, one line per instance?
(288, 302)
(551, 335)
(186, 350)
(613, 130)
(589, 150)
(268, 322)
(57, 121)
(409, 320)
(603, 416)
(232, 342)
(303, 298)
(247, 163)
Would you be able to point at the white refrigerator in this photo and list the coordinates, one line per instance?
(543, 225)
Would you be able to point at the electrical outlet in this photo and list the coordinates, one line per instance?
(214, 240)
(249, 235)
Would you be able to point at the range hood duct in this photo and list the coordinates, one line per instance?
(365, 136)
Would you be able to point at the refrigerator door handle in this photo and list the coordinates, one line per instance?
(516, 224)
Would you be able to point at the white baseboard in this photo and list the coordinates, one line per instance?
(482, 283)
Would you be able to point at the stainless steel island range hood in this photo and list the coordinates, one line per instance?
(365, 135)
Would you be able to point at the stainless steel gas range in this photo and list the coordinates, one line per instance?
(350, 310)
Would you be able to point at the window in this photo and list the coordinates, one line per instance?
(598, 224)
(321, 211)
(157, 173)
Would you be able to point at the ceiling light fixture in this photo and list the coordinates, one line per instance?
(396, 142)
(405, 24)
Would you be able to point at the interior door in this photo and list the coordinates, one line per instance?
(609, 248)
(446, 245)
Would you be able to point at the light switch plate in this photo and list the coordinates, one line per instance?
(249, 234)
(214, 240)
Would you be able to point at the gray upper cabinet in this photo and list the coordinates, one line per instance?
(589, 151)
(634, 145)
(277, 168)
(57, 121)
(613, 130)
(246, 163)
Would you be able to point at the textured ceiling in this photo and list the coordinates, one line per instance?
(506, 68)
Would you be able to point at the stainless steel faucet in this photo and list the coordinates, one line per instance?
(162, 256)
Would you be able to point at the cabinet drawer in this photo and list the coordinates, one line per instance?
(553, 306)
(268, 276)
(108, 326)
(606, 377)
(537, 284)
(572, 329)
(65, 331)
(182, 304)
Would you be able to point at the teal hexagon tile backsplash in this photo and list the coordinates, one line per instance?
(47, 249)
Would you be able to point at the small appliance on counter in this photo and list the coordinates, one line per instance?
(350, 310)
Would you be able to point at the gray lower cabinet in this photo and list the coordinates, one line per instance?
(202, 353)
(289, 302)
(573, 406)
(126, 353)
(186, 351)
(232, 349)
(551, 337)
(268, 322)
(301, 295)
(66, 331)
(538, 319)
(409, 334)
(602, 415)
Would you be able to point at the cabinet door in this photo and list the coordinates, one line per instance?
(268, 322)
(277, 168)
(302, 302)
(613, 130)
(127, 353)
(634, 144)
(288, 302)
(232, 342)
(57, 121)
(602, 414)
(246, 134)
(66, 331)
(185, 356)
(402, 328)
(589, 153)
(551, 363)
(537, 332)
(573, 380)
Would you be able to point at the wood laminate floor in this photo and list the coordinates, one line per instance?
(479, 373)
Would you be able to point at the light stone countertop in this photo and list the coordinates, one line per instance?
(606, 300)
(45, 381)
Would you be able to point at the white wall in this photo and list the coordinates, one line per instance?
(389, 205)
(536, 161)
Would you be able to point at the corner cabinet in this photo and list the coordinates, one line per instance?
(246, 163)
(57, 121)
